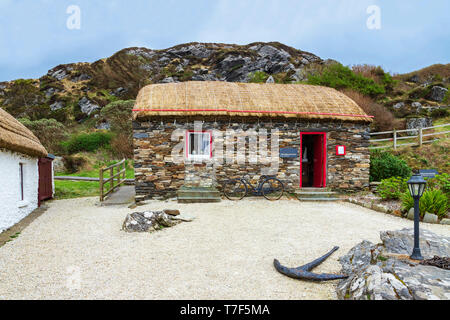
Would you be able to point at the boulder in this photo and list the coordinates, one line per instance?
(86, 106)
(399, 105)
(410, 214)
(270, 80)
(149, 221)
(417, 106)
(416, 123)
(384, 272)
(57, 105)
(437, 93)
(430, 218)
(445, 221)
(58, 165)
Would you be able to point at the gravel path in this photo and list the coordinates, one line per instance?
(77, 250)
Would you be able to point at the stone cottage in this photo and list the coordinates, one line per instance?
(197, 134)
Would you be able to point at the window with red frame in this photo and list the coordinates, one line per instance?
(198, 144)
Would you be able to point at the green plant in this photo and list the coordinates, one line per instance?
(49, 131)
(258, 77)
(432, 201)
(392, 188)
(338, 76)
(89, 142)
(439, 113)
(384, 165)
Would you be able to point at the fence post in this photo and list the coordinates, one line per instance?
(395, 139)
(111, 175)
(101, 184)
(420, 137)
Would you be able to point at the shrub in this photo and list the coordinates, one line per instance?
(338, 76)
(49, 131)
(118, 114)
(74, 164)
(258, 77)
(87, 142)
(384, 120)
(384, 165)
(392, 188)
(432, 201)
(440, 113)
(122, 146)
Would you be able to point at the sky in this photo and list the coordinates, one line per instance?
(399, 35)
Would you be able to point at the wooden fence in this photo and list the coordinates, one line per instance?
(117, 173)
(420, 137)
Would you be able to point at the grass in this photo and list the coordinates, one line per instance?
(76, 189)
(65, 189)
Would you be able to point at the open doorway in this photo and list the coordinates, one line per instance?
(313, 159)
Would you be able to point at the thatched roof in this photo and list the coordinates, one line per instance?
(16, 137)
(246, 99)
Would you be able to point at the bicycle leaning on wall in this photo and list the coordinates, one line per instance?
(269, 187)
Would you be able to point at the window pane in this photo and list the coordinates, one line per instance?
(199, 143)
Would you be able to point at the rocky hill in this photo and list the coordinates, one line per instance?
(76, 92)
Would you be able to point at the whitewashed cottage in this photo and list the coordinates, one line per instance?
(20, 154)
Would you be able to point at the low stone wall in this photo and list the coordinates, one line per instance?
(158, 176)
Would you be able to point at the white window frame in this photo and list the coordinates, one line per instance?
(188, 145)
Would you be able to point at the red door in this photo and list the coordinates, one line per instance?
(319, 159)
(45, 180)
(318, 166)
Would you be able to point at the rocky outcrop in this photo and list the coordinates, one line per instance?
(385, 272)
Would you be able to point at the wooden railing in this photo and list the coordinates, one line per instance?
(420, 136)
(117, 173)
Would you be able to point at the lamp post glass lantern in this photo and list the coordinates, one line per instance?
(416, 186)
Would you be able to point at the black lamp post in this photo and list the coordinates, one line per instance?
(416, 187)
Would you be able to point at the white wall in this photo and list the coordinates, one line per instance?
(12, 209)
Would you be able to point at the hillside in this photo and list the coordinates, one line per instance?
(74, 94)
(77, 91)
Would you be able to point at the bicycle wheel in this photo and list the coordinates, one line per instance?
(272, 189)
(234, 189)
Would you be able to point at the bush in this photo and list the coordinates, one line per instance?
(440, 113)
(122, 147)
(392, 188)
(74, 164)
(338, 76)
(384, 120)
(258, 77)
(385, 165)
(89, 142)
(49, 131)
(432, 201)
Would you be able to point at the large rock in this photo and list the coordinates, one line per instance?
(437, 93)
(86, 106)
(150, 221)
(384, 272)
(416, 123)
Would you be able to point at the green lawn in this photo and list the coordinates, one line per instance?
(77, 189)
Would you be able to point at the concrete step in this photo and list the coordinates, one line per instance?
(198, 194)
(319, 199)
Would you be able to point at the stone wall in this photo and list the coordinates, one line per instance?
(158, 176)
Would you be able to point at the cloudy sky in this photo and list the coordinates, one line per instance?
(36, 35)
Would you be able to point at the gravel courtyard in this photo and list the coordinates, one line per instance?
(76, 250)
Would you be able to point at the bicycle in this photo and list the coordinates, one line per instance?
(269, 187)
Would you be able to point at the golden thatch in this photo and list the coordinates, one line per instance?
(246, 99)
(16, 137)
